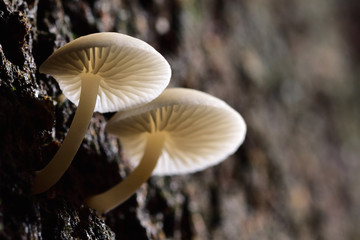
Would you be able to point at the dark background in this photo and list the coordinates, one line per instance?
(290, 67)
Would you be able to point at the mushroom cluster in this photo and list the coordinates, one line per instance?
(162, 131)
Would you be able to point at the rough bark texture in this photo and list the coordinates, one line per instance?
(289, 67)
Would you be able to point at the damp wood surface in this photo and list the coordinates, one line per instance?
(289, 67)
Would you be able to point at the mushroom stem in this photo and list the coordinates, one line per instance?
(51, 173)
(116, 195)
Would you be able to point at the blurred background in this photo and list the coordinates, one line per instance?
(290, 67)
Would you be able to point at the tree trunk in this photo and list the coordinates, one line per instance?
(289, 67)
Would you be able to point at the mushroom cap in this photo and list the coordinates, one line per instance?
(201, 130)
(131, 71)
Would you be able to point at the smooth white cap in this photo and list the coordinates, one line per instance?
(131, 71)
(201, 130)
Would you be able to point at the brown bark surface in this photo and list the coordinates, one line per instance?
(289, 67)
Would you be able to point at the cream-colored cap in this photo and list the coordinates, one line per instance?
(201, 130)
(131, 71)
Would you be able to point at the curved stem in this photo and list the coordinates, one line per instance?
(51, 173)
(116, 195)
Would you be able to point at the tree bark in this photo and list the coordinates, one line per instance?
(289, 67)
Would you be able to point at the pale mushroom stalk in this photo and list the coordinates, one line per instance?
(52, 172)
(116, 195)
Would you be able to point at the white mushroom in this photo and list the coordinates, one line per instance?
(181, 131)
(101, 72)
